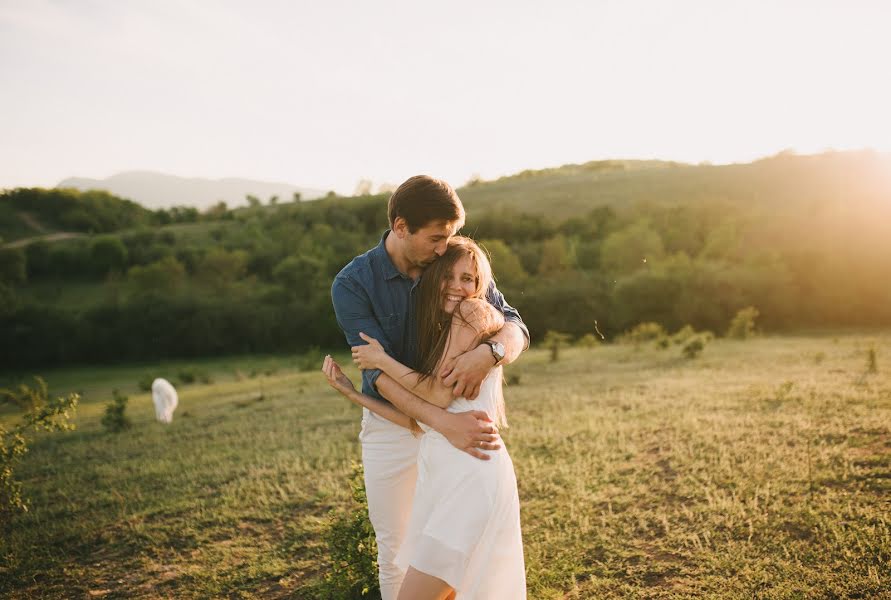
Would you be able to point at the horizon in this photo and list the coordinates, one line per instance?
(324, 97)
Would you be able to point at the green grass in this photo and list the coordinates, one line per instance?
(761, 469)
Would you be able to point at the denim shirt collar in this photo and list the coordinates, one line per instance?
(388, 269)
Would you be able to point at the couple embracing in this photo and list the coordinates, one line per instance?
(442, 494)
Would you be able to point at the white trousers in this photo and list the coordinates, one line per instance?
(390, 459)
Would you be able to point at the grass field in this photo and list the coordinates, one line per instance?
(761, 469)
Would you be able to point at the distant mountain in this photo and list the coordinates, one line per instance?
(157, 190)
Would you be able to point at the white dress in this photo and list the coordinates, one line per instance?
(465, 520)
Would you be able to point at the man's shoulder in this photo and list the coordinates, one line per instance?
(360, 265)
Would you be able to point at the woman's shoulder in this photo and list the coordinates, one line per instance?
(478, 314)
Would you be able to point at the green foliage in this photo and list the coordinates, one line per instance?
(114, 420)
(37, 255)
(40, 414)
(93, 211)
(108, 254)
(505, 263)
(163, 276)
(192, 374)
(742, 327)
(352, 547)
(13, 266)
(145, 383)
(694, 346)
(554, 341)
(642, 332)
(630, 249)
(589, 340)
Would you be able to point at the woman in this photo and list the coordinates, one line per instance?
(464, 536)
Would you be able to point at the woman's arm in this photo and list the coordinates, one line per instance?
(473, 319)
(340, 382)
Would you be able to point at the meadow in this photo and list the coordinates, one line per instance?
(761, 469)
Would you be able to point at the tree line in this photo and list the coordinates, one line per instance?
(257, 279)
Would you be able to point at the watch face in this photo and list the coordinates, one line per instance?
(498, 350)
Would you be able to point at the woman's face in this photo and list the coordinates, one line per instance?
(460, 284)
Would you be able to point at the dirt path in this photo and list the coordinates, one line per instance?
(50, 237)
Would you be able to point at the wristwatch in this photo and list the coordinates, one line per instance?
(497, 349)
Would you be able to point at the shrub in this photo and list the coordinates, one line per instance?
(872, 365)
(642, 332)
(352, 547)
(193, 374)
(683, 334)
(114, 420)
(694, 346)
(41, 413)
(554, 340)
(145, 383)
(742, 326)
(589, 340)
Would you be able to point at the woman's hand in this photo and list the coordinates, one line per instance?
(336, 378)
(370, 355)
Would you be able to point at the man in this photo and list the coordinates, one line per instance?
(374, 294)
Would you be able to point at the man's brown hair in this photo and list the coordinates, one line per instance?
(422, 199)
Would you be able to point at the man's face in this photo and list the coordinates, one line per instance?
(428, 243)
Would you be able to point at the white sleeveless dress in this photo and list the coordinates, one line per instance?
(465, 520)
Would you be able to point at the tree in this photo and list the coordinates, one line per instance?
(13, 266)
(252, 201)
(363, 188)
(505, 264)
(629, 249)
(108, 254)
(163, 276)
(220, 268)
(557, 255)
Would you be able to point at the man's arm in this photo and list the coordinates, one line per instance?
(465, 374)
(352, 308)
(471, 431)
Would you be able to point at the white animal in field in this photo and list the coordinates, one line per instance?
(165, 399)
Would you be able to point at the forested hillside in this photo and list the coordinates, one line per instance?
(804, 239)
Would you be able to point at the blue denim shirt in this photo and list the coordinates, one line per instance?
(371, 295)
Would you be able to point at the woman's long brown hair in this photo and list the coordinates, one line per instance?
(434, 323)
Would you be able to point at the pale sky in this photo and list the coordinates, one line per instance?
(323, 93)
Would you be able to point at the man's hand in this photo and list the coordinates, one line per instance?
(465, 373)
(472, 431)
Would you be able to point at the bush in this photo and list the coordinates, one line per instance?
(554, 340)
(742, 326)
(683, 334)
(114, 420)
(642, 332)
(589, 340)
(41, 414)
(694, 346)
(145, 383)
(193, 374)
(352, 547)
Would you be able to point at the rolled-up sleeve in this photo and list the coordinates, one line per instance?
(352, 307)
(510, 313)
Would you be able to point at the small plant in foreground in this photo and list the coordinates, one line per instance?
(554, 340)
(41, 414)
(872, 365)
(114, 419)
(742, 327)
(352, 546)
(694, 346)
